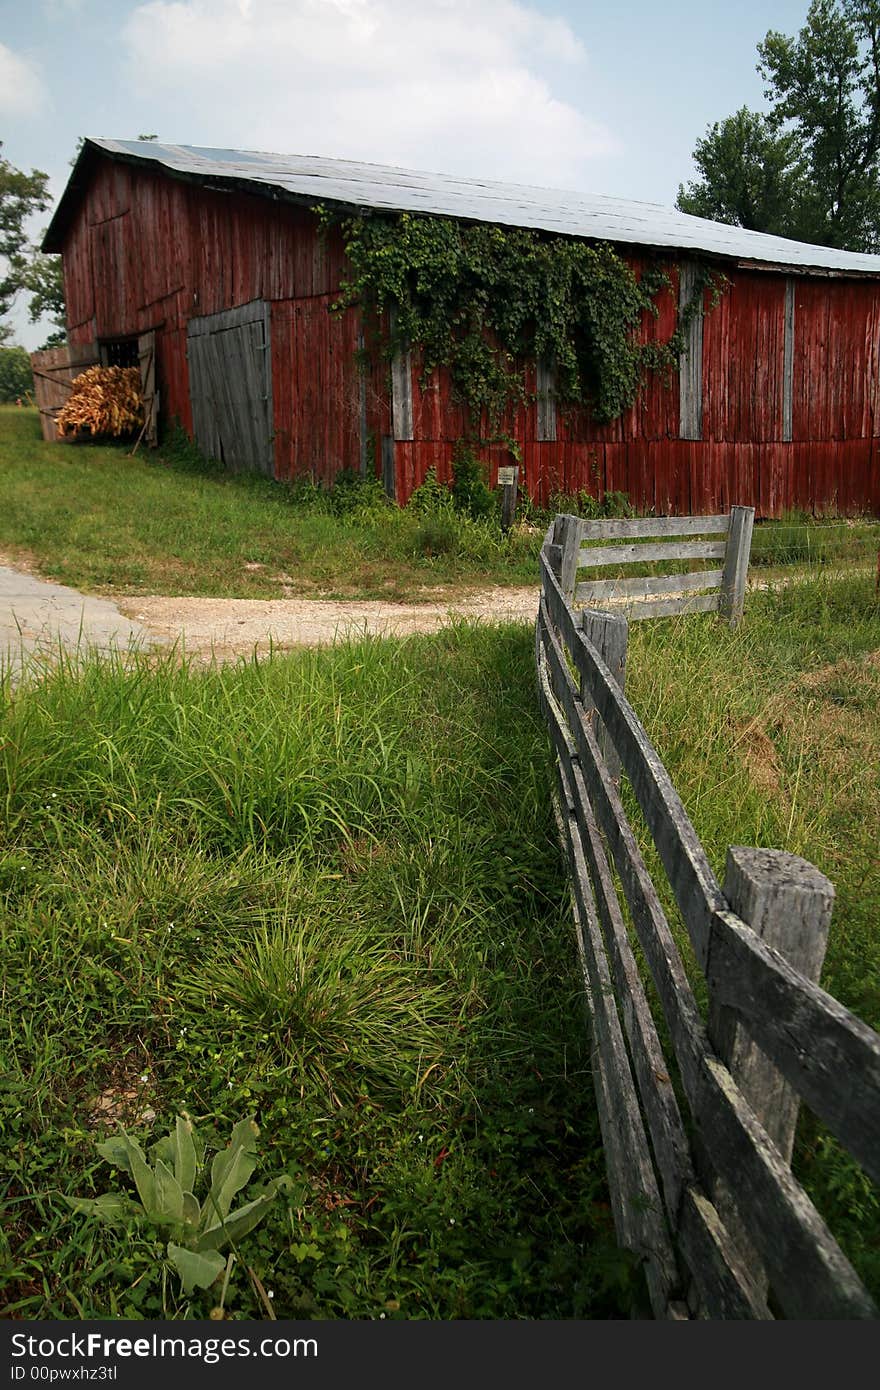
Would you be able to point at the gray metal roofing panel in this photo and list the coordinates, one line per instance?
(572, 214)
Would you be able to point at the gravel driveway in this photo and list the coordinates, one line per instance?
(38, 617)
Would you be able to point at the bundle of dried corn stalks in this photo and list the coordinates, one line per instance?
(103, 400)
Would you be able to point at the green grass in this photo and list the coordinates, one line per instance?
(323, 889)
(811, 543)
(167, 523)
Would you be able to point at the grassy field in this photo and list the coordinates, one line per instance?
(324, 889)
(167, 523)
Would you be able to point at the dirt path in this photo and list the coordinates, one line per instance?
(237, 626)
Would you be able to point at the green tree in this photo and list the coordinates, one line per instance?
(16, 377)
(810, 167)
(751, 176)
(44, 279)
(20, 195)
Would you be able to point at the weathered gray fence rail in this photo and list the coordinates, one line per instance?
(698, 1133)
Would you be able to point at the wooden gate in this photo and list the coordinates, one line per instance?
(230, 383)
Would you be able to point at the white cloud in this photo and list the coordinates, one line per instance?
(22, 92)
(464, 86)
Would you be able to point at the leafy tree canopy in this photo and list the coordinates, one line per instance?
(810, 167)
(21, 195)
(44, 279)
(16, 377)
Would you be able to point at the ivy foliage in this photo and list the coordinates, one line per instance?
(477, 298)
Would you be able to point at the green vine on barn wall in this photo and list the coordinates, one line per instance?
(478, 298)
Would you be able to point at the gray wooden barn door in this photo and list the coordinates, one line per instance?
(230, 384)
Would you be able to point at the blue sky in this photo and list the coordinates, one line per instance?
(590, 96)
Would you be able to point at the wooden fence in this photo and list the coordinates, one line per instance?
(698, 1130)
(55, 370)
(597, 544)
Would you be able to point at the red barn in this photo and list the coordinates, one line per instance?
(215, 259)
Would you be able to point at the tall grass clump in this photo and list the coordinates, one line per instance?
(324, 890)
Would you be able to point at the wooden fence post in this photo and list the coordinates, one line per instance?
(508, 478)
(553, 556)
(609, 634)
(736, 563)
(567, 532)
(788, 903)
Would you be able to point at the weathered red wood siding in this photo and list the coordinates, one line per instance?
(150, 252)
(146, 251)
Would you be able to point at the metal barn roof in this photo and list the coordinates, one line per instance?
(309, 179)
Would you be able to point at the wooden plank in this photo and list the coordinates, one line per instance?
(225, 319)
(690, 369)
(591, 557)
(655, 1088)
(787, 903)
(638, 1207)
(736, 563)
(810, 1275)
(366, 467)
(561, 616)
(646, 585)
(55, 370)
(546, 400)
(725, 1285)
(807, 1034)
(687, 1034)
(609, 633)
(269, 409)
(633, 527)
(696, 889)
(401, 390)
(554, 557)
(389, 476)
(672, 607)
(788, 362)
(567, 534)
(147, 366)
